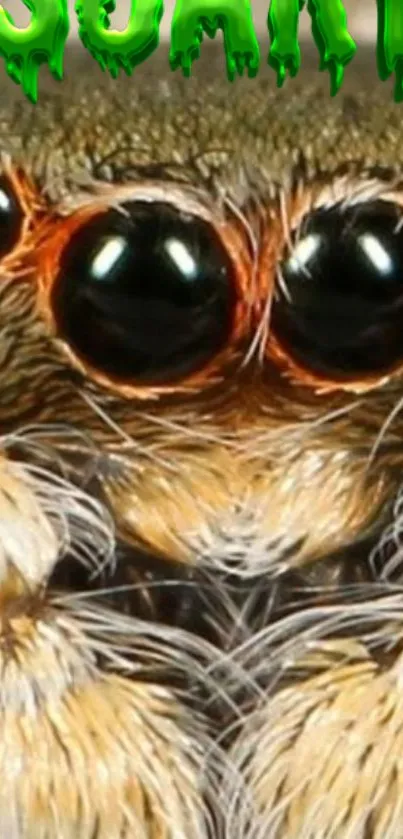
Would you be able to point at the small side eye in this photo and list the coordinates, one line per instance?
(11, 217)
(338, 302)
(145, 294)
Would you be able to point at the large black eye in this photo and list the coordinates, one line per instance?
(145, 294)
(10, 217)
(338, 304)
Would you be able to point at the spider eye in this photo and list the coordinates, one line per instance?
(10, 217)
(146, 293)
(338, 304)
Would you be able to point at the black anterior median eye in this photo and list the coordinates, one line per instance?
(145, 294)
(10, 217)
(338, 305)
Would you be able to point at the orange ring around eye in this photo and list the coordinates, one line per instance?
(31, 205)
(54, 235)
(274, 243)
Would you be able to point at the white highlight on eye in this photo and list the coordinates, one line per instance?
(107, 257)
(376, 253)
(183, 260)
(4, 201)
(303, 252)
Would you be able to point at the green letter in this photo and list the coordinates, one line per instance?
(43, 40)
(329, 26)
(111, 48)
(390, 43)
(335, 44)
(234, 17)
(284, 50)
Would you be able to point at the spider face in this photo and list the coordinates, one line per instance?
(200, 377)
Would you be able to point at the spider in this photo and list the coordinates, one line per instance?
(201, 612)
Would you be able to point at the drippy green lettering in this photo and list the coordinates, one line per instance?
(390, 43)
(329, 27)
(335, 44)
(111, 48)
(43, 40)
(234, 17)
(284, 53)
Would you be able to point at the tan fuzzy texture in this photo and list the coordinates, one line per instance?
(201, 610)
